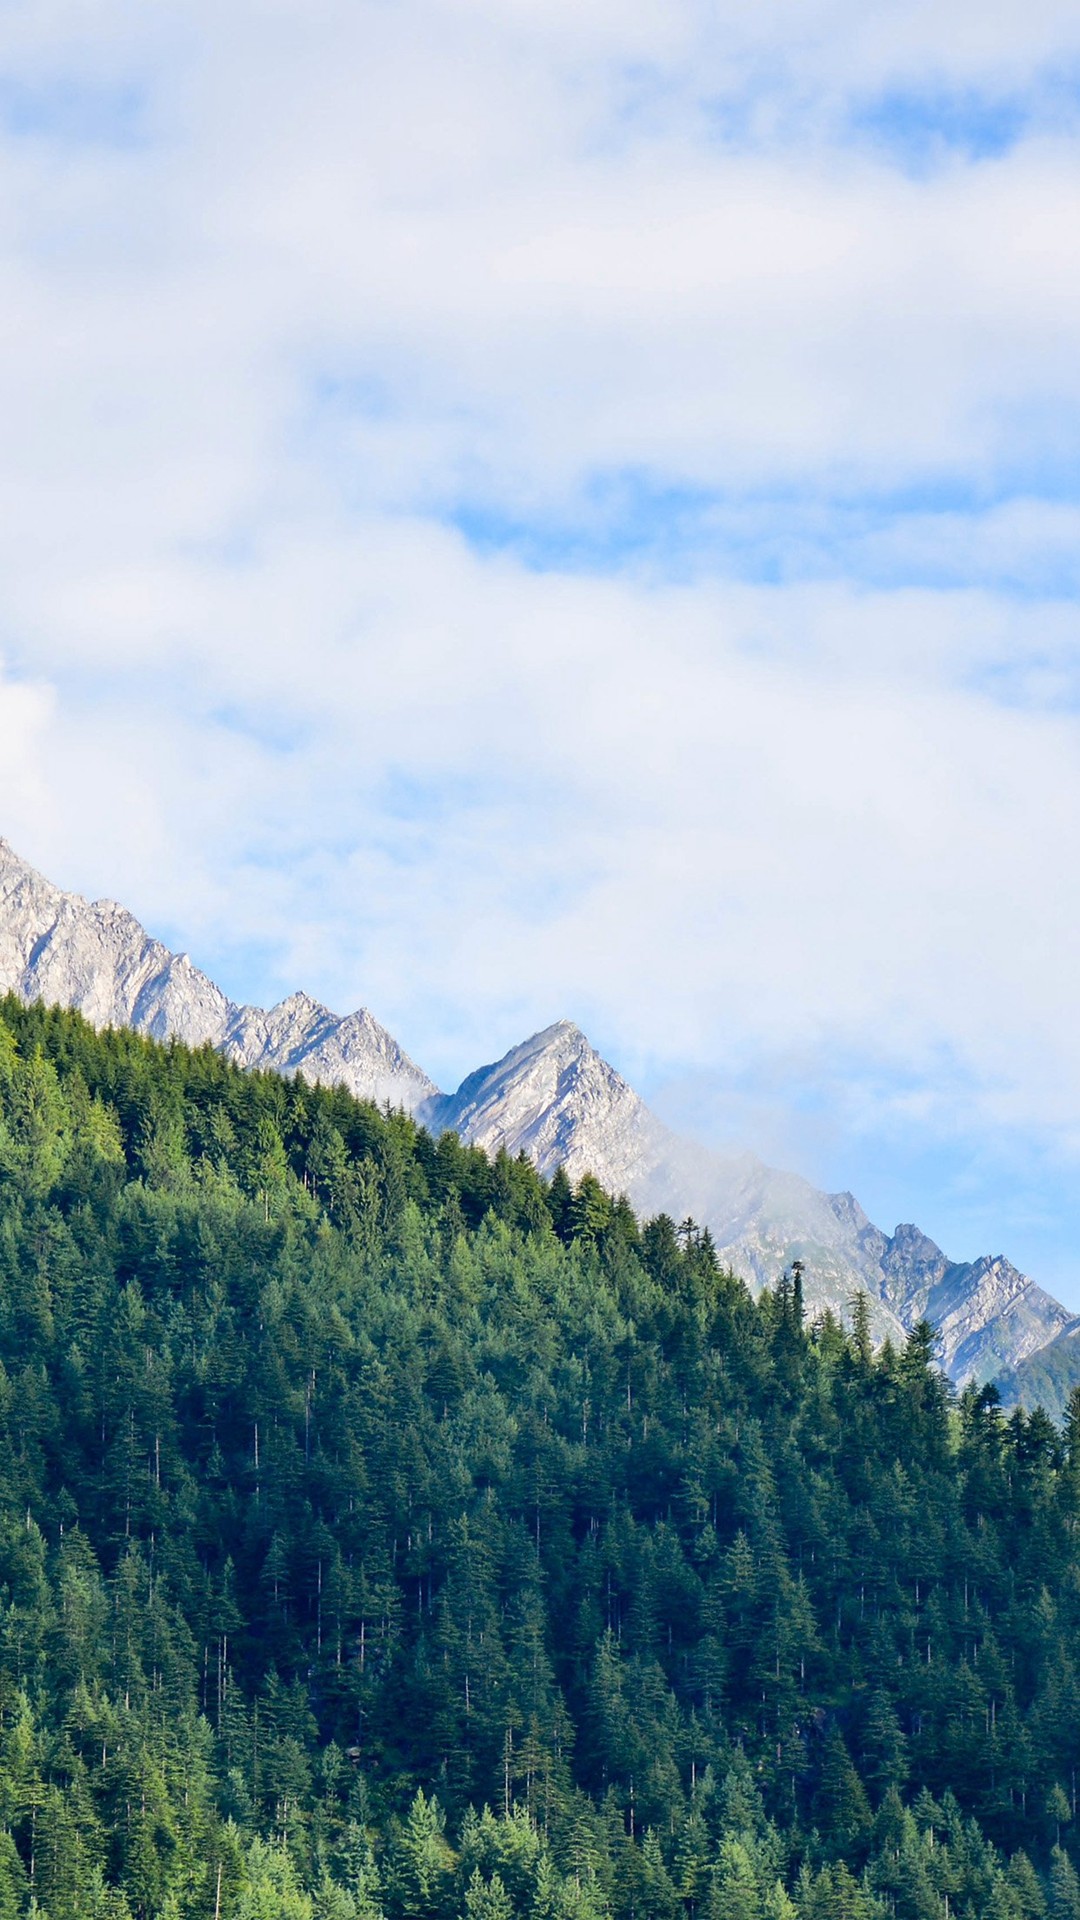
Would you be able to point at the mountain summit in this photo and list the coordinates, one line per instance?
(553, 1098)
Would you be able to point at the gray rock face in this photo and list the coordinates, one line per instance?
(59, 948)
(987, 1313)
(354, 1051)
(553, 1098)
(70, 952)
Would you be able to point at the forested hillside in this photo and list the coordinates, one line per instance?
(555, 1098)
(1046, 1379)
(386, 1533)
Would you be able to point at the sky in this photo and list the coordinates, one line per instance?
(513, 509)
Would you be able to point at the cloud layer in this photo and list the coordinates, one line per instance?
(511, 508)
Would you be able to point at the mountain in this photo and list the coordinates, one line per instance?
(556, 1100)
(988, 1314)
(1045, 1378)
(553, 1098)
(95, 956)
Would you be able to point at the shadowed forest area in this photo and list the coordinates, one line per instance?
(386, 1534)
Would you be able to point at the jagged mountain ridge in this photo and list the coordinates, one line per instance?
(95, 955)
(555, 1099)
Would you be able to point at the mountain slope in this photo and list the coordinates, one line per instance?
(1045, 1378)
(989, 1315)
(556, 1100)
(95, 956)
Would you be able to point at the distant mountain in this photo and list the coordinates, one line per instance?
(553, 1098)
(95, 956)
(988, 1314)
(1045, 1378)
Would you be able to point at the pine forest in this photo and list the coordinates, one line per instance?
(388, 1534)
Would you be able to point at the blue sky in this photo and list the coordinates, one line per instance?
(515, 508)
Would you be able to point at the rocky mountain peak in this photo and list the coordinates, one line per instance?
(561, 1037)
(911, 1243)
(94, 955)
(552, 1097)
(299, 1004)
